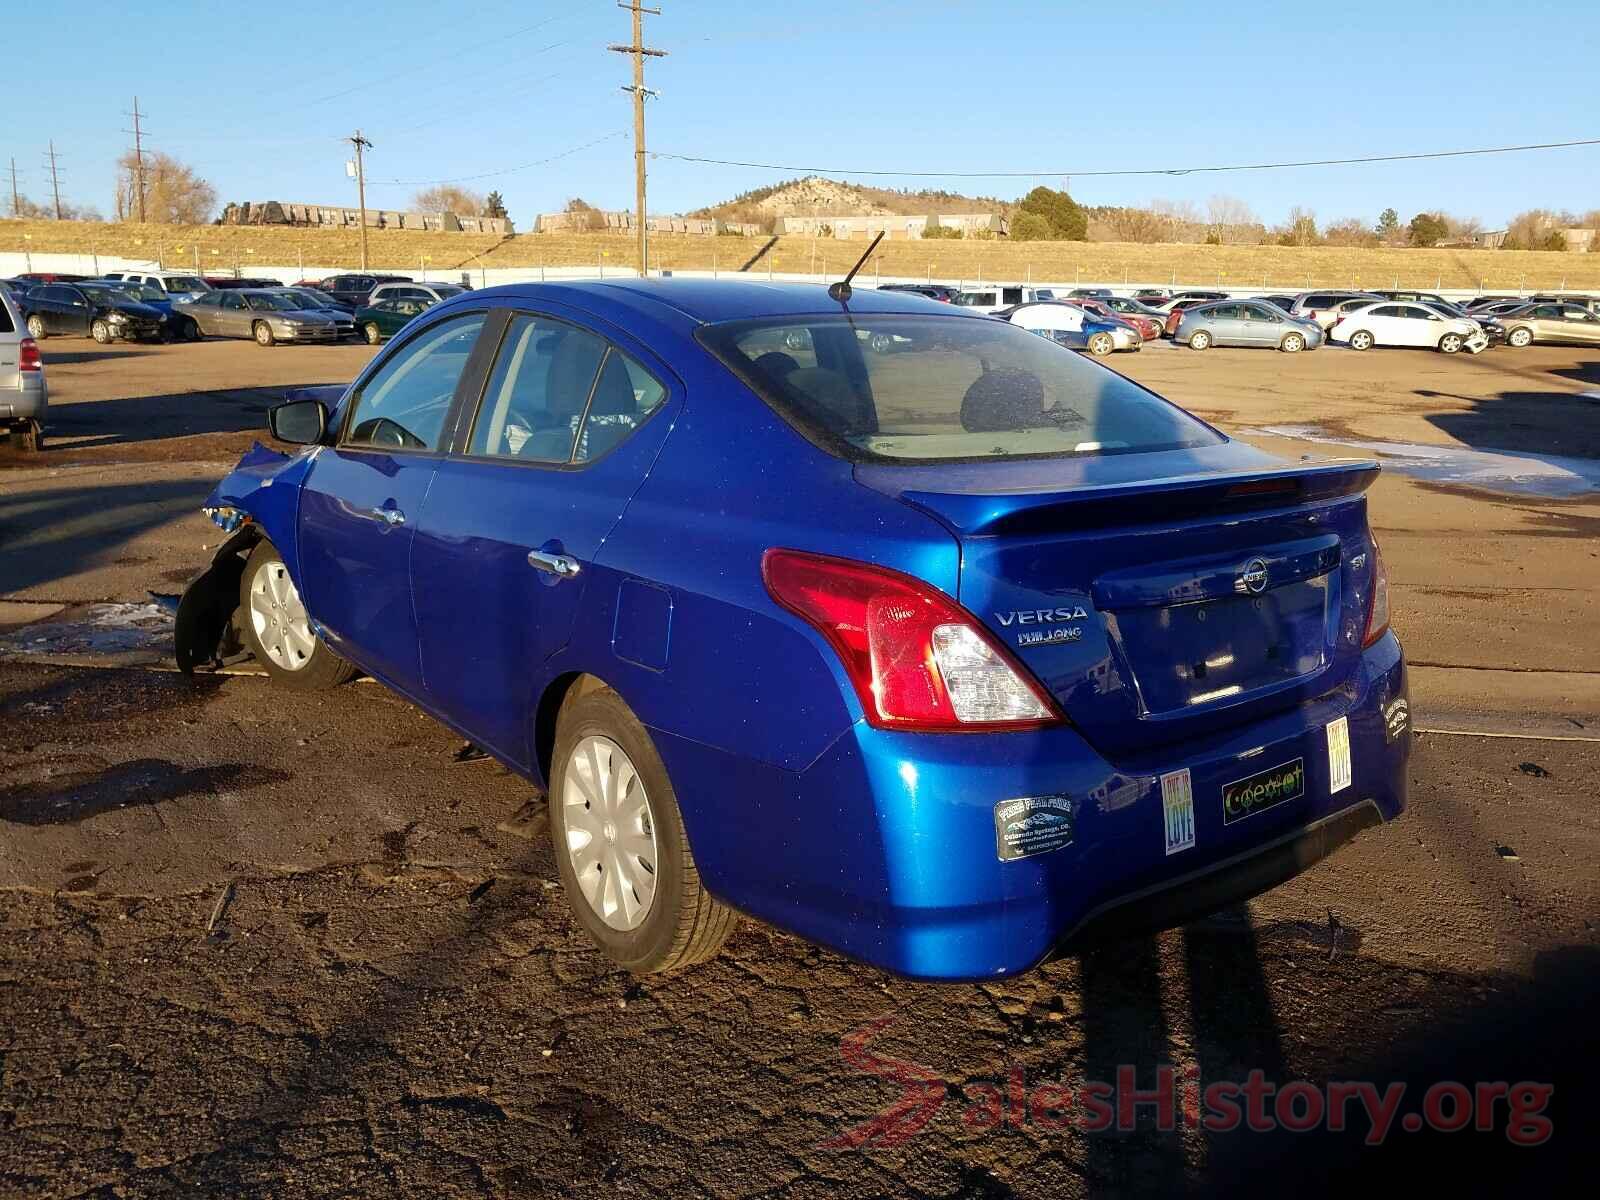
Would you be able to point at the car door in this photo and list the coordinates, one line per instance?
(232, 316)
(1259, 325)
(503, 563)
(72, 312)
(1227, 328)
(1578, 324)
(363, 495)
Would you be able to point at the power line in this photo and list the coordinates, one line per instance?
(640, 52)
(616, 133)
(1269, 166)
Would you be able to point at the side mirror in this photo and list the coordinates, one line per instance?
(302, 422)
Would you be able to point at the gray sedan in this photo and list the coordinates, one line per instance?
(258, 313)
(1246, 323)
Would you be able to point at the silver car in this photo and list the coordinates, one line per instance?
(1550, 323)
(258, 313)
(1246, 323)
(23, 393)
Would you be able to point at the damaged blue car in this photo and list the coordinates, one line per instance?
(890, 624)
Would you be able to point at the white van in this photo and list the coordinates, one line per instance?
(992, 297)
(174, 283)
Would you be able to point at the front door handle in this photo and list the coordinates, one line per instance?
(562, 566)
(391, 516)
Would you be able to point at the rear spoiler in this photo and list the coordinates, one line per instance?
(1145, 501)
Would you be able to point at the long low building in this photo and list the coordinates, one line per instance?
(325, 216)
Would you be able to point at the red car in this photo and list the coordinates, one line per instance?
(1148, 328)
(1175, 314)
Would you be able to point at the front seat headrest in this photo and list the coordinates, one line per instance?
(1003, 399)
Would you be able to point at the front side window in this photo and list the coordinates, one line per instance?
(232, 300)
(403, 405)
(906, 389)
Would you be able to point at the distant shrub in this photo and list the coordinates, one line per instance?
(1030, 227)
(934, 230)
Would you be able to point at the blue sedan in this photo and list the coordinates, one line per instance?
(952, 658)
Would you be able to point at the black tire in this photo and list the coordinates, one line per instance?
(1292, 343)
(1200, 341)
(373, 334)
(1520, 337)
(262, 332)
(100, 331)
(36, 329)
(27, 438)
(1361, 340)
(1101, 344)
(324, 669)
(684, 924)
(1450, 343)
(191, 331)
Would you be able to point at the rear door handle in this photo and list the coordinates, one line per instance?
(562, 566)
(390, 516)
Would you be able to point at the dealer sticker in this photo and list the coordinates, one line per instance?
(1338, 755)
(1177, 807)
(1032, 825)
(1396, 719)
(1265, 789)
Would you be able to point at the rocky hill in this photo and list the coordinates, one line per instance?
(815, 196)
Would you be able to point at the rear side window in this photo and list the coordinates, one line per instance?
(906, 389)
(404, 404)
(6, 324)
(537, 391)
(559, 394)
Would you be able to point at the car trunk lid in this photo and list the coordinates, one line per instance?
(1162, 596)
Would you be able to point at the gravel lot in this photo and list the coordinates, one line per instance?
(256, 947)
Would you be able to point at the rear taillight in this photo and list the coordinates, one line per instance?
(1378, 605)
(916, 658)
(29, 359)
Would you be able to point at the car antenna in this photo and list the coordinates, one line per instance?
(841, 291)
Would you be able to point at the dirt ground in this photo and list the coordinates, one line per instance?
(259, 947)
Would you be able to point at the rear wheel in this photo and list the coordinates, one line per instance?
(620, 845)
(263, 334)
(36, 329)
(1520, 337)
(1450, 343)
(1361, 340)
(101, 332)
(277, 628)
(1201, 340)
(1101, 344)
(373, 333)
(1293, 343)
(27, 437)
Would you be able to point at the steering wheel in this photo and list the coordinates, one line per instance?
(381, 431)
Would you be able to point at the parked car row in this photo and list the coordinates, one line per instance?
(169, 306)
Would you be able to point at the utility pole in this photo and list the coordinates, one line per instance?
(640, 52)
(138, 159)
(16, 199)
(55, 184)
(361, 144)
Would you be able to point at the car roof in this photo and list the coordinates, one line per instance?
(689, 302)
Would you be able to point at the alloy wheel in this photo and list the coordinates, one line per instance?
(609, 832)
(279, 618)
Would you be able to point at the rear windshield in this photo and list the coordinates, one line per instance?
(903, 388)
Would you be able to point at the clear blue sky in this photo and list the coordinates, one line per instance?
(256, 98)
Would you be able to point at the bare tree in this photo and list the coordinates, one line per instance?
(447, 198)
(1301, 228)
(1351, 231)
(1531, 230)
(1232, 221)
(1132, 225)
(173, 193)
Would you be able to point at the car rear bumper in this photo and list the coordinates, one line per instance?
(887, 847)
(26, 401)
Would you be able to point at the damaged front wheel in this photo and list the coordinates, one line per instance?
(277, 628)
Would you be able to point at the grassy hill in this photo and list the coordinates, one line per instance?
(815, 196)
(1281, 267)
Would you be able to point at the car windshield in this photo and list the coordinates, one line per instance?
(445, 291)
(142, 291)
(105, 295)
(902, 388)
(269, 302)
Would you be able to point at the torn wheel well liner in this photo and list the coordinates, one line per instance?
(205, 611)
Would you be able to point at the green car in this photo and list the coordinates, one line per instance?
(386, 318)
